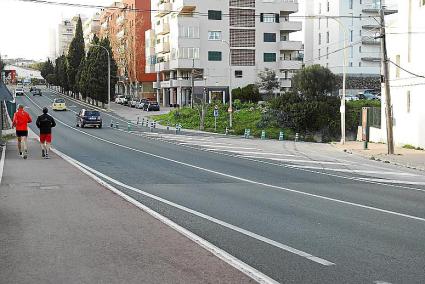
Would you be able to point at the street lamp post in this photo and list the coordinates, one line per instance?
(230, 86)
(109, 74)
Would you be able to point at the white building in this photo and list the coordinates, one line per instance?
(91, 27)
(356, 20)
(405, 43)
(66, 30)
(198, 38)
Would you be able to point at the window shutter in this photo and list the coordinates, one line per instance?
(261, 17)
(277, 18)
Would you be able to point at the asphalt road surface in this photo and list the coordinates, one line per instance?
(298, 217)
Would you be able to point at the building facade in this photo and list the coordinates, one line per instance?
(91, 27)
(334, 21)
(125, 24)
(208, 47)
(405, 41)
(66, 31)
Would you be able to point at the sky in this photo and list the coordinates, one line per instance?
(26, 28)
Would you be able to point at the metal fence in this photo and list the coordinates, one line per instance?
(375, 117)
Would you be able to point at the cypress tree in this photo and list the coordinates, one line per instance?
(75, 54)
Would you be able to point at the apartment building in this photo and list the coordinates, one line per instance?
(405, 40)
(208, 47)
(125, 24)
(66, 31)
(91, 27)
(334, 21)
(65, 35)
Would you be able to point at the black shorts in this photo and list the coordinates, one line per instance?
(22, 133)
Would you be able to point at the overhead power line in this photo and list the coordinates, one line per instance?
(407, 71)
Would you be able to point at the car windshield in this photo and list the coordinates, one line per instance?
(92, 113)
(59, 101)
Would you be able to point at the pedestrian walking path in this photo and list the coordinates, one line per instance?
(60, 226)
(404, 157)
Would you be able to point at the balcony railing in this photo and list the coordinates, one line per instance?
(164, 8)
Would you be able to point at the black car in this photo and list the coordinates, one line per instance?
(89, 118)
(35, 92)
(151, 106)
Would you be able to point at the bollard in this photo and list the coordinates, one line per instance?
(154, 124)
(128, 125)
(297, 137)
(281, 136)
(147, 123)
(138, 120)
(117, 125)
(263, 134)
(247, 133)
(143, 121)
(227, 131)
(112, 123)
(151, 126)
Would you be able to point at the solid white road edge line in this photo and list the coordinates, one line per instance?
(244, 179)
(221, 254)
(3, 154)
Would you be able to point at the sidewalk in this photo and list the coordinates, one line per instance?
(404, 157)
(60, 226)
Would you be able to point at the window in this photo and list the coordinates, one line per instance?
(214, 35)
(320, 38)
(319, 54)
(320, 8)
(214, 15)
(269, 57)
(327, 37)
(238, 73)
(351, 36)
(328, 7)
(350, 4)
(269, 18)
(327, 52)
(360, 49)
(269, 37)
(214, 56)
(351, 64)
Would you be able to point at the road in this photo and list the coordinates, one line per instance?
(297, 215)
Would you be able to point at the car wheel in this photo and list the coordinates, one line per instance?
(100, 126)
(82, 125)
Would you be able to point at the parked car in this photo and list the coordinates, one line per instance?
(119, 99)
(126, 101)
(35, 91)
(141, 103)
(58, 104)
(133, 102)
(89, 118)
(19, 92)
(369, 95)
(152, 106)
(351, 97)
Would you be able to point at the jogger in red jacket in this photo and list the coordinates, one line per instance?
(20, 121)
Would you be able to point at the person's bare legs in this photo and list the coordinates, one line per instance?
(19, 146)
(25, 145)
(47, 149)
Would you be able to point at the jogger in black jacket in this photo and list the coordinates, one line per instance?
(45, 123)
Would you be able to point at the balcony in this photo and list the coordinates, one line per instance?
(185, 63)
(164, 9)
(371, 27)
(370, 41)
(150, 68)
(162, 66)
(290, 45)
(185, 6)
(290, 6)
(290, 64)
(290, 26)
(120, 20)
(162, 47)
(184, 83)
(163, 28)
(120, 35)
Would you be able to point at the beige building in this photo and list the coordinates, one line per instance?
(91, 27)
(66, 30)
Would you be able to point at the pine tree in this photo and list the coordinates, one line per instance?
(47, 69)
(75, 54)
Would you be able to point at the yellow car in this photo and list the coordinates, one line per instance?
(58, 104)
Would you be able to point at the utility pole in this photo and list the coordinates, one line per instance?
(388, 105)
(192, 81)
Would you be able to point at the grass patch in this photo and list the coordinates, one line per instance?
(8, 137)
(245, 118)
(411, 147)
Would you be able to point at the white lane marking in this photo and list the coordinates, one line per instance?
(247, 180)
(299, 161)
(256, 153)
(3, 154)
(357, 171)
(221, 254)
(212, 219)
(381, 282)
(225, 147)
